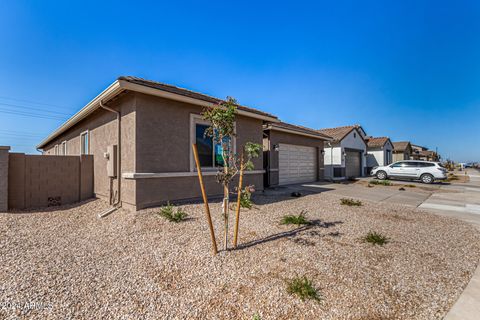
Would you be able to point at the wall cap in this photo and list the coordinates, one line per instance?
(4, 148)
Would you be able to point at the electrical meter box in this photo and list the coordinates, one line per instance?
(111, 157)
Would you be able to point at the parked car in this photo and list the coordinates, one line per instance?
(425, 171)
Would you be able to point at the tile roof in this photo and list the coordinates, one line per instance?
(401, 145)
(375, 142)
(299, 129)
(186, 93)
(427, 153)
(338, 133)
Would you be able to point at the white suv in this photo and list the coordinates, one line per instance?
(426, 171)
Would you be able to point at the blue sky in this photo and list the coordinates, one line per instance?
(405, 69)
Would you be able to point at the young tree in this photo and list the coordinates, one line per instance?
(222, 132)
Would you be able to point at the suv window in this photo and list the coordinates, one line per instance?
(425, 164)
(398, 165)
(412, 164)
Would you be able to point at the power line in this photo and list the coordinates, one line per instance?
(18, 136)
(33, 115)
(34, 109)
(34, 102)
(24, 133)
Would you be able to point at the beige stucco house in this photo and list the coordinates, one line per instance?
(151, 127)
(402, 150)
(292, 154)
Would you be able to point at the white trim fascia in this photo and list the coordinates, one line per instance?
(297, 133)
(178, 97)
(112, 90)
(134, 175)
(64, 146)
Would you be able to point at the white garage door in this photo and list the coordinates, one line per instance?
(352, 164)
(296, 164)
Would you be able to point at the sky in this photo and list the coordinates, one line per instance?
(409, 70)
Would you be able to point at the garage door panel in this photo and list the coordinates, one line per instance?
(297, 164)
(353, 164)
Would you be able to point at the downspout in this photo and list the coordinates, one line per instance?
(117, 204)
(331, 160)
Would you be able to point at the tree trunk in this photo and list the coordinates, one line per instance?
(225, 211)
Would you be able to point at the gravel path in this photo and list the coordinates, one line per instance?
(67, 264)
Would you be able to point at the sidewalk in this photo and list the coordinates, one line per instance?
(464, 206)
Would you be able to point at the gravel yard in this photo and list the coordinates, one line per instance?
(67, 264)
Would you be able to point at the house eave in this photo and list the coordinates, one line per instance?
(178, 97)
(118, 87)
(113, 90)
(273, 128)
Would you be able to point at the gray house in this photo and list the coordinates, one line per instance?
(345, 155)
(379, 152)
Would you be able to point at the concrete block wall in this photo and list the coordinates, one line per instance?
(36, 181)
(4, 178)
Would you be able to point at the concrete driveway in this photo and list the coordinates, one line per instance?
(458, 200)
(412, 197)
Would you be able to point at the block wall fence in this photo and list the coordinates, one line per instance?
(35, 181)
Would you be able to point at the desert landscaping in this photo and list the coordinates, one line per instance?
(73, 265)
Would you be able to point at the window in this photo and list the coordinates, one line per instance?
(84, 143)
(56, 149)
(398, 165)
(63, 148)
(427, 164)
(209, 155)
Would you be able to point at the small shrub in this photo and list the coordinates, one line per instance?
(381, 182)
(256, 317)
(350, 202)
(452, 178)
(246, 198)
(303, 288)
(298, 220)
(169, 213)
(375, 238)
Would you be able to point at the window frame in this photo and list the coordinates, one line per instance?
(198, 119)
(398, 164)
(63, 148)
(85, 133)
(56, 150)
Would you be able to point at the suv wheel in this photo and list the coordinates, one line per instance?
(381, 175)
(427, 178)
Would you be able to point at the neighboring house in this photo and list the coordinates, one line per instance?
(422, 153)
(428, 155)
(156, 124)
(416, 150)
(379, 152)
(345, 155)
(292, 154)
(402, 150)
